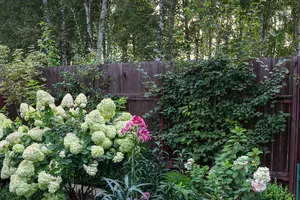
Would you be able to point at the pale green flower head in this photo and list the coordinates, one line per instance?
(84, 127)
(106, 144)
(14, 138)
(60, 111)
(48, 181)
(26, 189)
(18, 148)
(124, 116)
(43, 99)
(126, 144)
(107, 108)
(110, 131)
(33, 153)
(62, 154)
(25, 169)
(4, 121)
(91, 169)
(67, 101)
(119, 126)
(76, 148)
(36, 134)
(98, 137)
(81, 101)
(6, 170)
(4, 146)
(118, 158)
(94, 117)
(23, 129)
(97, 151)
(24, 108)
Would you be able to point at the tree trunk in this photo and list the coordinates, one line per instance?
(296, 42)
(46, 14)
(171, 30)
(101, 31)
(87, 7)
(186, 30)
(261, 33)
(160, 26)
(63, 41)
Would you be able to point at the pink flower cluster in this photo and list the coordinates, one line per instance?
(138, 123)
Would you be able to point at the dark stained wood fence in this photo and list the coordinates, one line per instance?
(284, 151)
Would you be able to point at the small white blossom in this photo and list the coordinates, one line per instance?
(91, 169)
(119, 157)
(188, 165)
(67, 101)
(81, 100)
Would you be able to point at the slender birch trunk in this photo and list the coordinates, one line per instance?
(101, 31)
(261, 33)
(63, 41)
(186, 30)
(160, 26)
(87, 7)
(171, 30)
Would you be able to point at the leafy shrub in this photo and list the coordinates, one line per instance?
(64, 143)
(20, 78)
(234, 175)
(200, 100)
(277, 192)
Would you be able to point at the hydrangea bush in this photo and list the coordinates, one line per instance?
(43, 154)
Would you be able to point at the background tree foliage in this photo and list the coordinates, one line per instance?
(135, 30)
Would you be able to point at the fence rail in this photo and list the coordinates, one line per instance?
(284, 154)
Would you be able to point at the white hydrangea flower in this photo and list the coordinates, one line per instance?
(91, 169)
(93, 119)
(25, 169)
(4, 121)
(106, 144)
(124, 116)
(36, 134)
(119, 126)
(60, 111)
(18, 148)
(23, 129)
(110, 132)
(26, 189)
(81, 100)
(189, 164)
(72, 143)
(76, 148)
(262, 174)
(33, 153)
(43, 99)
(6, 170)
(3, 146)
(97, 151)
(242, 160)
(107, 108)
(67, 101)
(258, 186)
(14, 137)
(62, 154)
(48, 181)
(38, 123)
(24, 108)
(119, 157)
(45, 149)
(98, 137)
(125, 144)
(84, 127)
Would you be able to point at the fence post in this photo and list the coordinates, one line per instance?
(295, 128)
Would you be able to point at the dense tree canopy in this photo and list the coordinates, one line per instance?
(135, 30)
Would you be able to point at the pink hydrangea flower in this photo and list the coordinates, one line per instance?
(258, 186)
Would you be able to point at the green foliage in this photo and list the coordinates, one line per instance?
(83, 80)
(202, 101)
(20, 75)
(121, 190)
(227, 178)
(277, 192)
(49, 46)
(5, 194)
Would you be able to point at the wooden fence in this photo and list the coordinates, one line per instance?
(284, 151)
